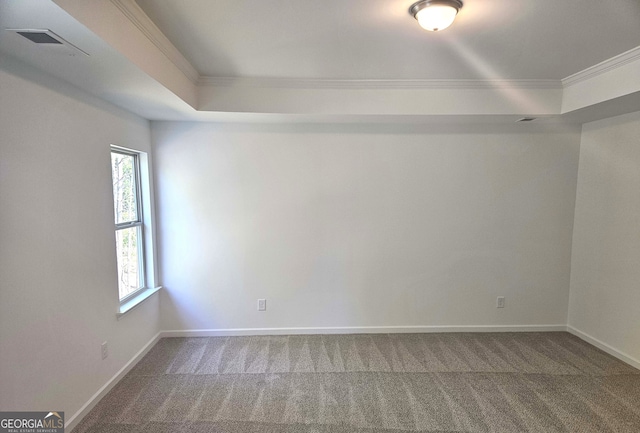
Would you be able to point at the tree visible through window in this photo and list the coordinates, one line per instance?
(125, 172)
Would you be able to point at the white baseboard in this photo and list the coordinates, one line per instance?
(605, 347)
(359, 330)
(71, 423)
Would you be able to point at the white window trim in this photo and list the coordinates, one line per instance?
(132, 302)
(148, 248)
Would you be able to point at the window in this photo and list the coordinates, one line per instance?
(129, 223)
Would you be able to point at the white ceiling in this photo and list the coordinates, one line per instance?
(105, 72)
(378, 39)
(332, 61)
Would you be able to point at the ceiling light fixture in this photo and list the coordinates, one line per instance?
(435, 15)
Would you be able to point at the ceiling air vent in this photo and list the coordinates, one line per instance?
(47, 38)
(39, 37)
(527, 119)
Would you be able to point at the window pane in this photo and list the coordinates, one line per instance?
(123, 173)
(129, 271)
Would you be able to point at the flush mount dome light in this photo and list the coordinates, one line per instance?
(435, 15)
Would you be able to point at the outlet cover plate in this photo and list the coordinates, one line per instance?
(262, 304)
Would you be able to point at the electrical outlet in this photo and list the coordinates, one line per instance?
(500, 302)
(105, 350)
(262, 304)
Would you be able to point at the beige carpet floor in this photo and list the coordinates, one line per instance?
(490, 382)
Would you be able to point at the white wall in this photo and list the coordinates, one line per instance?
(605, 272)
(337, 226)
(345, 226)
(58, 287)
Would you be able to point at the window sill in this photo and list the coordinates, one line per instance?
(135, 301)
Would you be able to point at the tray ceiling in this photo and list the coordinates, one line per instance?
(378, 39)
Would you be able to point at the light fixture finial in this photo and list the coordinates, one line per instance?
(435, 15)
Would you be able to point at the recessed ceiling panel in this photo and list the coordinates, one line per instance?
(378, 39)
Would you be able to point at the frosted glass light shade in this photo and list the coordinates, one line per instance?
(435, 15)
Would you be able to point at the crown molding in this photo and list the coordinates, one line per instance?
(138, 18)
(603, 67)
(301, 83)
